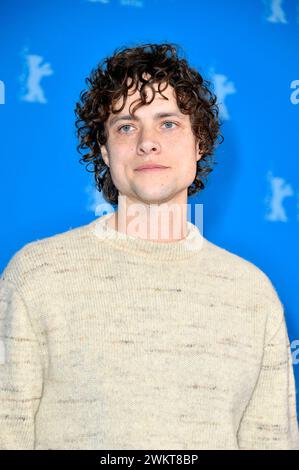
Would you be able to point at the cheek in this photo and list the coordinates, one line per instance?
(123, 152)
(188, 168)
(118, 156)
(121, 170)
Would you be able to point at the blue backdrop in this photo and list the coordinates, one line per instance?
(247, 48)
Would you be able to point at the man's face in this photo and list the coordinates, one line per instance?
(146, 138)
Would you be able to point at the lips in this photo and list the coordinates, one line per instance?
(151, 167)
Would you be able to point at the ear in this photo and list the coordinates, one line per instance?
(198, 154)
(105, 154)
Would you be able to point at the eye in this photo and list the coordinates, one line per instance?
(128, 125)
(169, 122)
(121, 127)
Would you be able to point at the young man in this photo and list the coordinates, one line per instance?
(134, 331)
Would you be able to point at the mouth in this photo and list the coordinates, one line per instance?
(156, 168)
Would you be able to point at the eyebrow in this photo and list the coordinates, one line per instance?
(128, 117)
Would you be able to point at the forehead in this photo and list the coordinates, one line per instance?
(158, 100)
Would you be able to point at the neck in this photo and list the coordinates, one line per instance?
(193, 245)
(163, 222)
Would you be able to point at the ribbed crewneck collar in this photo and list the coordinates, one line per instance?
(193, 244)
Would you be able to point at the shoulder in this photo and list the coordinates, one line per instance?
(252, 286)
(40, 255)
(238, 267)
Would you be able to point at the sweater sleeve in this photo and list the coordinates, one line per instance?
(21, 371)
(270, 418)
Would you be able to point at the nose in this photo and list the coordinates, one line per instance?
(147, 144)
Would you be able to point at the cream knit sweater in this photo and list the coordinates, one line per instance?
(110, 341)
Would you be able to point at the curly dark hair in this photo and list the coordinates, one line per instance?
(106, 85)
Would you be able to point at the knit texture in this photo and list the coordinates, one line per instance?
(109, 341)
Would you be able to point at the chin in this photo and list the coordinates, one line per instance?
(156, 199)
